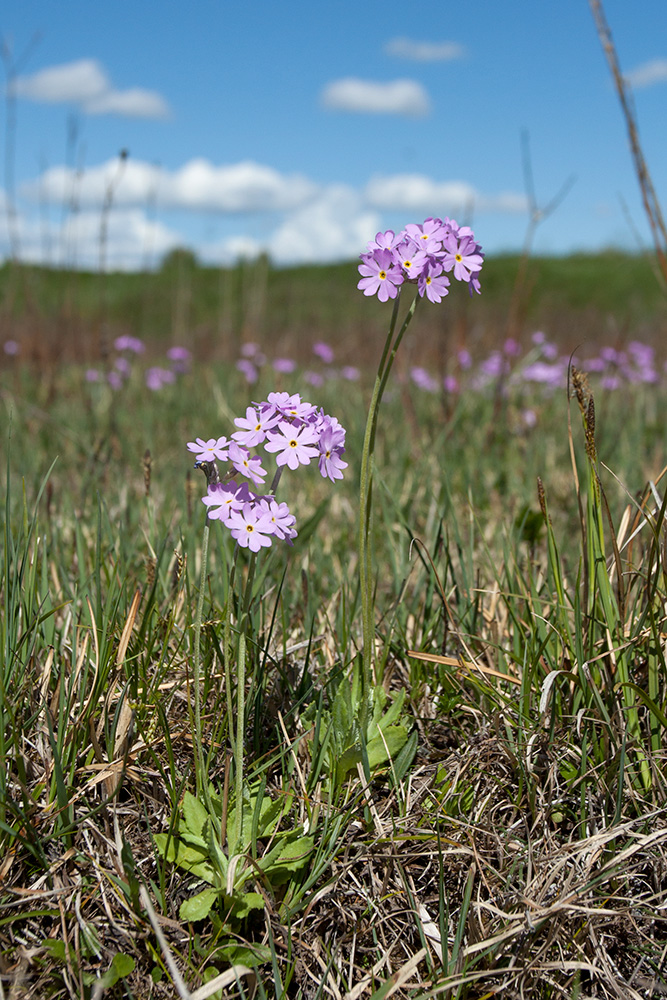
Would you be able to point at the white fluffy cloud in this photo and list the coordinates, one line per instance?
(648, 74)
(132, 240)
(397, 97)
(407, 48)
(85, 82)
(416, 193)
(334, 226)
(257, 208)
(419, 194)
(198, 186)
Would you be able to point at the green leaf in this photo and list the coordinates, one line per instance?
(121, 966)
(194, 816)
(238, 955)
(244, 903)
(406, 755)
(56, 948)
(91, 939)
(192, 859)
(393, 739)
(198, 907)
(393, 712)
(216, 856)
(346, 761)
(293, 856)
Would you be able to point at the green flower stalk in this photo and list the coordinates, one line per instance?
(295, 433)
(420, 254)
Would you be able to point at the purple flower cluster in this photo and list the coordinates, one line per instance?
(155, 377)
(286, 426)
(423, 254)
(253, 359)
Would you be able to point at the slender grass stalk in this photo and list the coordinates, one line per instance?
(366, 491)
(200, 767)
(238, 746)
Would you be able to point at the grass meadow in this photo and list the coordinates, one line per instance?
(492, 819)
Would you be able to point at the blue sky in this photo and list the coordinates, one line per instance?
(304, 128)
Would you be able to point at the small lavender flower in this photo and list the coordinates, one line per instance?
(180, 359)
(285, 366)
(254, 426)
(381, 274)
(251, 527)
(210, 450)
(11, 348)
(423, 380)
(248, 369)
(282, 404)
(324, 352)
(541, 371)
(294, 446)
(331, 445)
(428, 236)
(222, 498)
(384, 241)
(412, 260)
(128, 343)
(156, 378)
(432, 282)
(248, 465)
(281, 518)
(461, 255)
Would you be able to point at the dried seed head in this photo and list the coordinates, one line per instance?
(151, 566)
(591, 450)
(148, 467)
(177, 570)
(581, 388)
(541, 497)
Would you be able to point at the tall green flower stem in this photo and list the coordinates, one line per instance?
(200, 767)
(366, 494)
(237, 738)
(243, 623)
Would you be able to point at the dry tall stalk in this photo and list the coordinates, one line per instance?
(649, 197)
